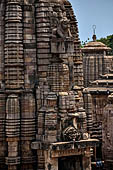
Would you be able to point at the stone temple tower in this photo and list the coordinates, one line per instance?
(42, 120)
(96, 60)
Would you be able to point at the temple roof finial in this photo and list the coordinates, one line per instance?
(94, 35)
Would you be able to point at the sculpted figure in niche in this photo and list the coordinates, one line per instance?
(64, 27)
(61, 25)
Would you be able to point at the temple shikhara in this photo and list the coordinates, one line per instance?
(56, 99)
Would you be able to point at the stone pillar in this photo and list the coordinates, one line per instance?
(29, 42)
(42, 23)
(13, 131)
(50, 163)
(86, 160)
(43, 39)
(13, 47)
(28, 130)
(88, 108)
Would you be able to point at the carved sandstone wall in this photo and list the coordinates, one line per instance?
(41, 80)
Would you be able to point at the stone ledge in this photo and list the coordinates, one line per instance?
(37, 145)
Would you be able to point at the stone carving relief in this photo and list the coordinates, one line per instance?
(71, 117)
(61, 28)
(68, 117)
(58, 77)
(62, 41)
(71, 132)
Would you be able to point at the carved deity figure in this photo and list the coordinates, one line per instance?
(61, 26)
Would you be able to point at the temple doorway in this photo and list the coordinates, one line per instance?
(70, 163)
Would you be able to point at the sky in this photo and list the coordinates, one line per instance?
(93, 12)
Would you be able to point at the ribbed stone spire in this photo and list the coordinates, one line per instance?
(41, 81)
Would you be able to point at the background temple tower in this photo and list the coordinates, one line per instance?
(98, 80)
(96, 60)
